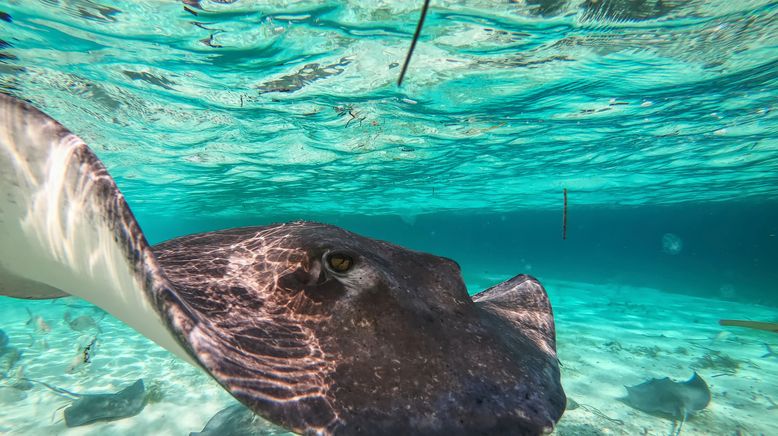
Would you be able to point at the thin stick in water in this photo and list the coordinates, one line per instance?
(564, 215)
(413, 43)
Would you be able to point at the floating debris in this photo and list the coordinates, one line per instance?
(307, 74)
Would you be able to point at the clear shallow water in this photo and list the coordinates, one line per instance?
(658, 117)
(257, 107)
(608, 336)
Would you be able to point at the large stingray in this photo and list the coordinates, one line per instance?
(670, 399)
(313, 327)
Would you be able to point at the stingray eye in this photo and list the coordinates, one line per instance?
(340, 262)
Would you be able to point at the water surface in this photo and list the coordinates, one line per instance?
(657, 117)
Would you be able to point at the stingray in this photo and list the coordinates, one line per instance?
(237, 420)
(9, 394)
(82, 323)
(3, 340)
(313, 327)
(9, 355)
(90, 408)
(669, 399)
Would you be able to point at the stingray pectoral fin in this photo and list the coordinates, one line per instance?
(526, 325)
(65, 227)
(523, 302)
(696, 394)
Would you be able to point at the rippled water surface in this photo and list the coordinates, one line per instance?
(293, 106)
(657, 117)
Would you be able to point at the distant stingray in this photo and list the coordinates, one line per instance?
(238, 420)
(9, 395)
(90, 408)
(81, 323)
(9, 355)
(666, 398)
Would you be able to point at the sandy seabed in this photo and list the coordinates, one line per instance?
(608, 336)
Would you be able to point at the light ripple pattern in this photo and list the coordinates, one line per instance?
(223, 109)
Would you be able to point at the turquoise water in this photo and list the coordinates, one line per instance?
(659, 118)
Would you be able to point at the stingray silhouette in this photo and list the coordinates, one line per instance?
(669, 399)
(89, 408)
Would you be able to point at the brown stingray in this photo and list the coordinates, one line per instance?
(392, 344)
(313, 327)
(667, 398)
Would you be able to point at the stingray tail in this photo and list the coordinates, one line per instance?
(59, 391)
(678, 426)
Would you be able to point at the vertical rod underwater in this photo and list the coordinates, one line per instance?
(564, 214)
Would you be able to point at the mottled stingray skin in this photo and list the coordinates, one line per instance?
(392, 346)
(668, 398)
(89, 408)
